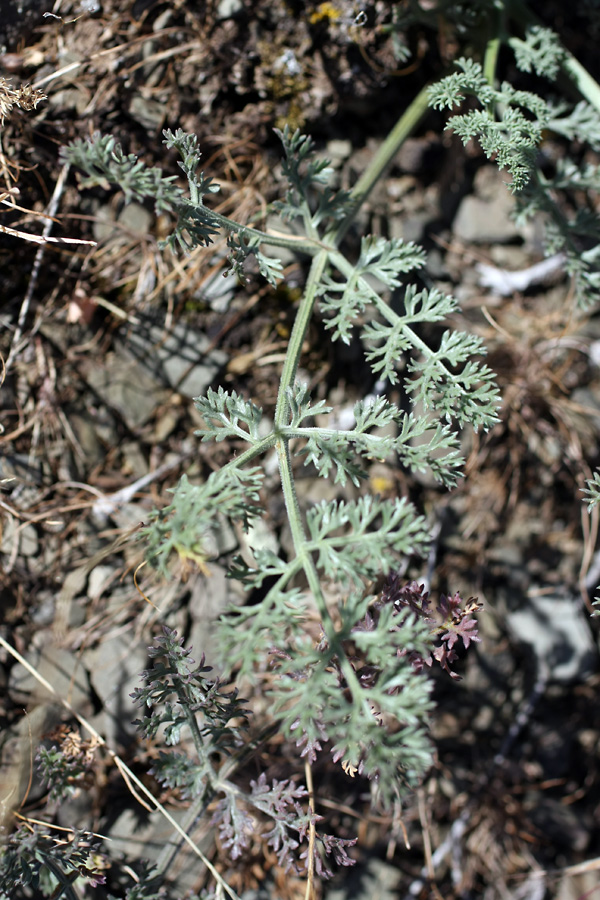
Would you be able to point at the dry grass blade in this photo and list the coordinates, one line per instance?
(41, 239)
(129, 777)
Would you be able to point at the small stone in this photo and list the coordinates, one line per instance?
(338, 150)
(136, 218)
(149, 113)
(227, 9)
(28, 543)
(61, 668)
(115, 666)
(126, 386)
(485, 216)
(104, 223)
(100, 578)
(555, 628)
(181, 357)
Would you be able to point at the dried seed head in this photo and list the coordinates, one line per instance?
(25, 97)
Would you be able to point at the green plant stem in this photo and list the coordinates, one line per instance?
(347, 269)
(294, 350)
(288, 376)
(497, 34)
(66, 881)
(404, 127)
(308, 245)
(252, 452)
(195, 731)
(299, 538)
(301, 547)
(490, 61)
(587, 86)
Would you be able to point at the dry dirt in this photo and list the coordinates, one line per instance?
(104, 349)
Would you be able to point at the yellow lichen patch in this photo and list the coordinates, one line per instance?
(325, 12)
(381, 484)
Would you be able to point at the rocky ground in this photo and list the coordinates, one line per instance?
(104, 350)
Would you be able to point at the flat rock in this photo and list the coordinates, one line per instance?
(115, 666)
(485, 216)
(127, 387)
(555, 627)
(56, 665)
(180, 357)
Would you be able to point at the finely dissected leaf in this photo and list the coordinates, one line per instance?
(510, 126)
(270, 269)
(225, 415)
(541, 52)
(243, 244)
(592, 491)
(388, 341)
(423, 445)
(388, 259)
(392, 343)
(581, 123)
(102, 158)
(304, 172)
(344, 303)
(301, 167)
(195, 227)
(346, 300)
(347, 681)
(33, 849)
(279, 801)
(325, 705)
(179, 694)
(452, 90)
(375, 412)
(236, 826)
(468, 396)
(429, 305)
(268, 564)
(333, 452)
(437, 447)
(374, 533)
(178, 771)
(249, 634)
(301, 407)
(182, 528)
(332, 206)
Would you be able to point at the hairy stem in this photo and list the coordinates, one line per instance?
(404, 127)
(586, 85)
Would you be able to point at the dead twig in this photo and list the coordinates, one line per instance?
(42, 239)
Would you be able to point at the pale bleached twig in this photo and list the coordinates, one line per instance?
(505, 282)
(123, 767)
(43, 239)
(107, 504)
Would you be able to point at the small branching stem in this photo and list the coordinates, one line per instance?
(294, 350)
(589, 88)
(65, 886)
(384, 156)
(347, 269)
(308, 245)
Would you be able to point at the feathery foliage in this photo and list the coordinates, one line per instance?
(358, 687)
(511, 125)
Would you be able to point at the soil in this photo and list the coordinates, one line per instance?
(104, 349)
